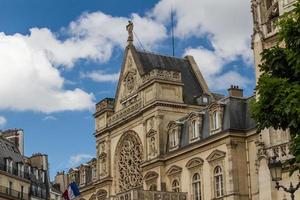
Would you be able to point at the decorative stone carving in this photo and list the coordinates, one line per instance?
(102, 159)
(129, 160)
(162, 75)
(152, 143)
(174, 170)
(135, 107)
(215, 155)
(102, 194)
(93, 197)
(194, 162)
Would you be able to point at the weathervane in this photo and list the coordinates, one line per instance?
(129, 29)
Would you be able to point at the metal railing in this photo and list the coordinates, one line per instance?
(138, 194)
(41, 194)
(13, 193)
(14, 171)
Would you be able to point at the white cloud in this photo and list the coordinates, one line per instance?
(30, 82)
(227, 26)
(224, 81)
(3, 121)
(100, 76)
(49, 117)
(78, 159)
(226, 23)
(30, 64)
(211, 66)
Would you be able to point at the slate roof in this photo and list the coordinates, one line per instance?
(191, 88)
(236, 116)
(8, 149)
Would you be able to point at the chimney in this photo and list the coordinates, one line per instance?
(235, 91)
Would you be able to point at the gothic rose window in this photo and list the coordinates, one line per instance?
(130, 82)
(129, 164)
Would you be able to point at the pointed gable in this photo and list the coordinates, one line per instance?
(130, 76)
(215, 155)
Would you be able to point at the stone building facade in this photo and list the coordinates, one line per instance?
(166, 136)
(271, 142)
(21, 177)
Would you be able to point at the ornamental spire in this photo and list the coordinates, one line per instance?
(129, 29)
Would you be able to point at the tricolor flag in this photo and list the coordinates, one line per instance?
(71, 192)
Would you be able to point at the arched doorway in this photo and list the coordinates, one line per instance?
(128, 162)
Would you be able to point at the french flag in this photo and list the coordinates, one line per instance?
(72, 192)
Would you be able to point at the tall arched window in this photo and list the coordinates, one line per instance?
(218, 178)
(196, 187)
(175, 186)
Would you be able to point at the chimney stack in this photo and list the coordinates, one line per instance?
(235, 91)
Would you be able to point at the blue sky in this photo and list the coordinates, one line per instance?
(58, 58)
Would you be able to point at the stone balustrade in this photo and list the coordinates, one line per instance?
(163, 75)
(280, 151)
(134, 107)
(137, 194)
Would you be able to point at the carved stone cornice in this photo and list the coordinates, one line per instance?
(162, 75)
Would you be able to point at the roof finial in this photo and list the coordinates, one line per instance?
(129, 28)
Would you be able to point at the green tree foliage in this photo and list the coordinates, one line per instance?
(278, 88)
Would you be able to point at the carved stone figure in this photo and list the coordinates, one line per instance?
(129, 29)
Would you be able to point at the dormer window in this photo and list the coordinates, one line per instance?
(195, 129)
(174, 129)
(9, 165)
(216, 111)
(195, 126)
(82, 177)
(21, 169)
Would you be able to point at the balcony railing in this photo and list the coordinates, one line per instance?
(13, 193)
(14, 171)
(280, 151)
(40, 194)
(137, 194)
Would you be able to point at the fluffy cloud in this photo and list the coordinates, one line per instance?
(3, 121)
(30, 82)
(227, 26)
(79, 158)
(226, 23)
(30, 64)
(211, 66)
(100, 76)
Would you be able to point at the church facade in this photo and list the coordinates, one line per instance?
(166, 136)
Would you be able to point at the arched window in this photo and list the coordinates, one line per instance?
(218, 178)
(153, 187)
(215, 120)
(196, 187)
(175, 186)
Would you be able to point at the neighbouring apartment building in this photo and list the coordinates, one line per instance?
(21, 177)
(166, 136)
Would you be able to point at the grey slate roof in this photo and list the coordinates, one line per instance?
(236, 116)
(8, 149)
(191, 88)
